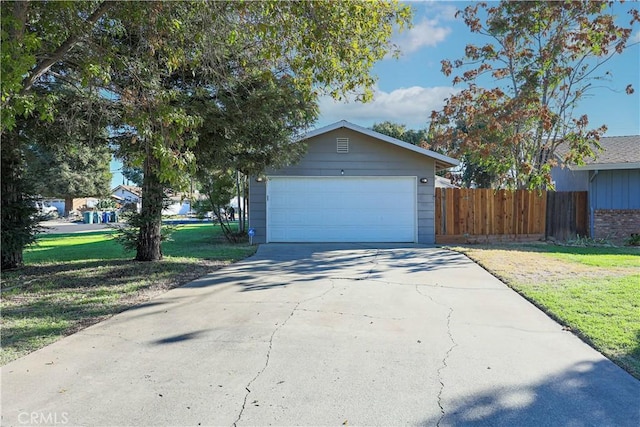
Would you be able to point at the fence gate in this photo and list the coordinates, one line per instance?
(567, 215)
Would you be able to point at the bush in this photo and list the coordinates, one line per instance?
(634, 240)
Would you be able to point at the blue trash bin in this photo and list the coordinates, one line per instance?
(105, 217)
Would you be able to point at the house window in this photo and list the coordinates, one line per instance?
(342, 145)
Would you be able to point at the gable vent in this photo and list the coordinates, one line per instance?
(342, 145)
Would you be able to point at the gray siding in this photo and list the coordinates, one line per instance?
(367, 157)
(570, 180)
(615, 189)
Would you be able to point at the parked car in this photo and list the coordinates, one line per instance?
(46, 210)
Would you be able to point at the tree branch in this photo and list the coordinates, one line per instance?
(44, 66)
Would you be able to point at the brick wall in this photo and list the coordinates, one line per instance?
(616, 225)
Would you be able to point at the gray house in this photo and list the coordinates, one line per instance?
(612, 180)
(352, 185)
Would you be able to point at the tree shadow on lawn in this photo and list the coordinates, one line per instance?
(94, 274)
(40, 302)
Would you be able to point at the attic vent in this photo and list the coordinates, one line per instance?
(342, 145)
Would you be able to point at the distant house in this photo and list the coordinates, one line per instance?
(128, 194)
(612, 180)
(442, 182)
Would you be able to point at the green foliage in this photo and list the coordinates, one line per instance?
(543, 58)
(19, 219)
(156, 61)
(106, 204)
(219, 186)
(586, 241)
(400, 131)
(129, 235)
(634, 240)
(133, 174)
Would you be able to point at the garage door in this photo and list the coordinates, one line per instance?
(341, 209)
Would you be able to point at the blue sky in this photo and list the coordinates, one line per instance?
(409, 88)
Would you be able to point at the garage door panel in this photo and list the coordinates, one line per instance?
(341, 209)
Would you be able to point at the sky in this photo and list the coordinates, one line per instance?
(410, 87)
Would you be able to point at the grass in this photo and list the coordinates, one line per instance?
(72, 281)
(593, 291)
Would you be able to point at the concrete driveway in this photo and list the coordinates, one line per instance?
(326, 335)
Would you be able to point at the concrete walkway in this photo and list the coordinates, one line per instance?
(326, 335)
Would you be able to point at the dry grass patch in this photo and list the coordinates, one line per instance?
(593, 291)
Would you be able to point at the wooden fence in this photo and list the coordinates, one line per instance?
(486, 215)
(567, 215)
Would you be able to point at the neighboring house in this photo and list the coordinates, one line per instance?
(128, 193)
(442, 182)
(612, 180)
(77, 204)
(352, 185)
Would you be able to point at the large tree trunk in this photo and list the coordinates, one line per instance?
(17, 213)
(150, 237)
(68, 205)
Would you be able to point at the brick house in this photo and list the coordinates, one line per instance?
(612, 180)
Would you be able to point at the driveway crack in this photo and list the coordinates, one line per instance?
(268, 358)
(444, 366)
(445, 359)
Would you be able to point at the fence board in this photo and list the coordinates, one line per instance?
(500, 215)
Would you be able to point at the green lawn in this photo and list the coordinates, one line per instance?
(74, 280)
(593, 291)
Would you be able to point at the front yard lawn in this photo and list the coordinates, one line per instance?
(594, 291)
(72, 281)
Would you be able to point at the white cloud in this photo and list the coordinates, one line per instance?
(410, 106)
(427, 32)
(636, 37)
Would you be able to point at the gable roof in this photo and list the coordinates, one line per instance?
(136, 191)
(618, 152)
(442, 161)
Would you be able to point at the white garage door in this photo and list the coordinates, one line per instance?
(341, 209)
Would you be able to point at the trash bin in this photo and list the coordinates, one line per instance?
(114, 216)
(96, 217)
(105, 217)
(88, 217)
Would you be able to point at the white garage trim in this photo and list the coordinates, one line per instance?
(341, 209)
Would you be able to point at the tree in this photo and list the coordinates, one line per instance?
(400, 131)
(69, 156)
(202, 49)
(143, 55)
(249, 126)
(38, 39)
(544, 57)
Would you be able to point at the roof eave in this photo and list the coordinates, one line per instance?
(605, 166)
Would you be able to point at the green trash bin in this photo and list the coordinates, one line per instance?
(88, 217)
(96, 217)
